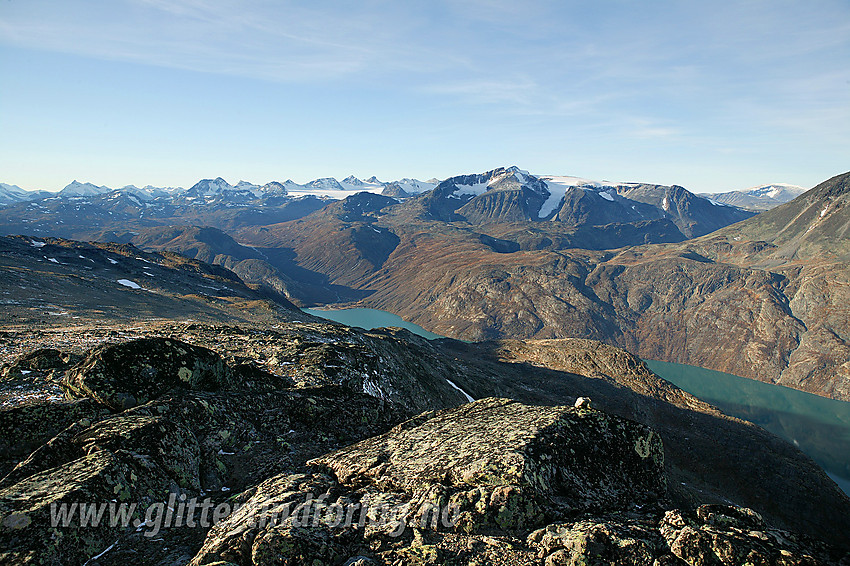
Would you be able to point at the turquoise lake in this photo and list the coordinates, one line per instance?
(369, 319)
(818, 426)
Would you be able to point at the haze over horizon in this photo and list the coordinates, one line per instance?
(713, 97)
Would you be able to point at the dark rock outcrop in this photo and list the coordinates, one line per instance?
(41, 359)
(713, 535)
(492, 464)
(585, 481)
(28, 536)
(125, 375)
(551, 456)
(495, 482)
(226, 427)
(27, 427)
(188, 444)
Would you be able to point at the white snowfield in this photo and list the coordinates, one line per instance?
(477, 189)
(75, 188)
(471, 190)
(128, 283)
(774, 190)
(558, 186)
(352, 186)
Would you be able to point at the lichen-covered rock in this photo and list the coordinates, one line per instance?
(521, 484)
(41, 359)
(617, 539)
(183, 443)
(168, 443)
(57, 451)
(709, 457)
(25, 428)
(276, 525)
(132, 373)
(246, 437)
(715, 535)
(125, 375)
(729, 536)
(526, 459)
(28, 535)
(492, 465)
(390, 364)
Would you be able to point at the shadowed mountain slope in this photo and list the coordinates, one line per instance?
(764, 298)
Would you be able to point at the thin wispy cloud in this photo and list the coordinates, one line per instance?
(624, 74)
(287, 45)
(521, 92)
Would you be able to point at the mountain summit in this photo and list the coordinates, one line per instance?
(758, 198)
(77, 189)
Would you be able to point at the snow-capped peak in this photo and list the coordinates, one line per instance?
(77, 189)
(135, 191)
(274, 187)
(246, 185)
(775, 191)
(211, 186)
(520, 174)
(12, 193)
(325, 183)
(352, 180)
(414, 186)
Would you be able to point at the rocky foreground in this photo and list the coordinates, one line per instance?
(317, 444)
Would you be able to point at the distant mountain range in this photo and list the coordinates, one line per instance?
(573, 208)
(758, 198)
(763, 298)
(327, 187)
(10, 194)
(506, 253)
(514, 195)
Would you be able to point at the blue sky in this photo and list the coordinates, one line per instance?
(709, 95)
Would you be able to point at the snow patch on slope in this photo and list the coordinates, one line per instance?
(774, 190)
(472, 190)
(467, 395)
(128, 283)
(558, 186)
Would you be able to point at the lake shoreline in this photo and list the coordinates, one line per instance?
(817, 425)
